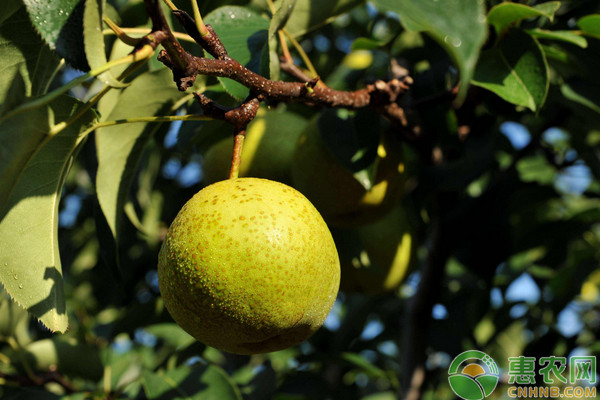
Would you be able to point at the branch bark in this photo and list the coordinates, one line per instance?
(418, 316)
(381, 96)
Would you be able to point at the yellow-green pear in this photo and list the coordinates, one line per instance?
(268, 148)
(336, 193)
(249, 266)
(377, 257)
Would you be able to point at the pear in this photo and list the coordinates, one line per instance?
(249, 266)
(376, 258)
(342, 200)
(268, 148)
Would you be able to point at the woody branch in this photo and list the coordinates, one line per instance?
(382, 96)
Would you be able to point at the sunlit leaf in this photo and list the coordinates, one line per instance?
(505, 14)
(590, 25)
(60, 24)
(564, 36)
(278, 21)
(94, 40)
(244, 34)
(27, 63)
(31, 270)
(120, 147)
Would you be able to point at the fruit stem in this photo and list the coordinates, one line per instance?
(236, 160)
(198, 18)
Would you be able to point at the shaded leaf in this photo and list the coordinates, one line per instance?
(309, 14)
(27, 63)
(71, 357)
(564, 36)
(516, 70)
(31, 270)
(171, 333)
(353, 141)
(120, 147)
(244, 34)
(278, 21)
(458, 25)
(583, 93)
(505, 14)
(60, 24)
(590, 25)
(94, 40)
(14, 321)
(536, 169)
(364, 364)
(204, 382)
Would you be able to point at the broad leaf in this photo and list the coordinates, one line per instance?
(458, 25)
(60, 24)
(505, 14)
(27, 63)
(70, 357)
(31, 271)
(590, 25)
(244, 35)
(278, 21)
(353, 141)
(200, 382)
(120, 147)
(516, 70)
(564, 36)
(93, 40)
(310, 14)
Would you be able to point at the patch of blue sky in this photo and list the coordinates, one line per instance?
(524, 289)
(574, 179)
(516, 133)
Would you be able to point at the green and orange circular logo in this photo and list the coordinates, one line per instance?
(473, 375)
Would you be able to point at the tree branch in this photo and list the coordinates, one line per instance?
(418, 316)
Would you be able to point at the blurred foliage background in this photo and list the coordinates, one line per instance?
(501, 190)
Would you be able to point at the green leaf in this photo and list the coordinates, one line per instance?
(71, 357)
(363, 43)
(27, 63)
(590, 25)
(353, 141)
(244, 35)
(582, 93)
(365, 365)
(458, 25)
(278, 21)
(120, 147)
(60, 24)
(32, 179)
(505, 14)
(205, 382)
(93, 40)
(14, 321)
(564, 36)
(171, 333)
(536, 169)
(516, 70)
(310, 14)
